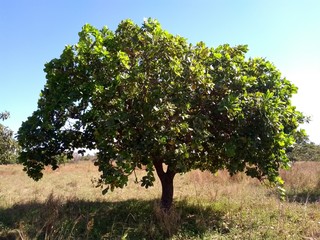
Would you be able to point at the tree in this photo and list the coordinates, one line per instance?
(8, 145)
(144, 97)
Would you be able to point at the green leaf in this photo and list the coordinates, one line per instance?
(230, 150)
(124, 59)
(217, 55)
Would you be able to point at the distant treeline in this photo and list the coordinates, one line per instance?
(305, 151)
(300, 152)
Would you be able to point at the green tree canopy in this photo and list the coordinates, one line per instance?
(8, 145)
(144, 97)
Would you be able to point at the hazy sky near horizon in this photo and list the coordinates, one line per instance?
(285, 32)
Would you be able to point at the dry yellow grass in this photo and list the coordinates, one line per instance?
(75, 180)
(214, 206)
(303, 175)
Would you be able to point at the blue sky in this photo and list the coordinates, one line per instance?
(286, 32)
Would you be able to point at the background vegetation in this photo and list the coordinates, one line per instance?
(305, 151)
(9, 148)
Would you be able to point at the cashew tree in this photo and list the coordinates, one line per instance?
(144, 98)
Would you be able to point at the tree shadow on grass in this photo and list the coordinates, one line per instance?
(130, 219)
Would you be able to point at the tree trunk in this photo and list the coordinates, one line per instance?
(166, 179)
(167, 191)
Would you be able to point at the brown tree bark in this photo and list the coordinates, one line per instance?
(166, 179)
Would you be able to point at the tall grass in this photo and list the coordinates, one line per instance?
(303, 182)
(65, 205)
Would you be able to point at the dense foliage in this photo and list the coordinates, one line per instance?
(142, 96)
(8, 145)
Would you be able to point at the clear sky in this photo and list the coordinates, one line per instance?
(286, 32)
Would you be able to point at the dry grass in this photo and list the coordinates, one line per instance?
(65, 205)
(303, 182)
(73, 180)
(68, 181)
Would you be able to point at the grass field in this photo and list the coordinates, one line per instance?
(65, 205)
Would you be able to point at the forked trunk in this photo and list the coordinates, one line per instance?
(166, 179)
